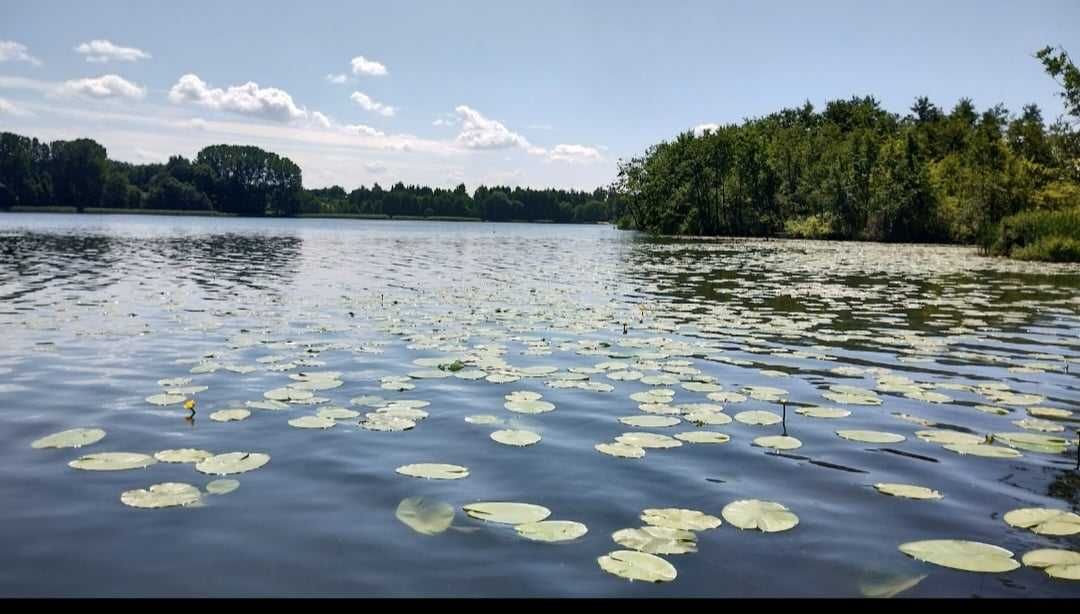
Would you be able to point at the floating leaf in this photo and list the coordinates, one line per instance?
(165, 398)
(1049, 557)
(962, 555)
(649, 421)
(222, 486)
(529, 407)
(1044, 520)
(871, 436)
(679, 518)
(182, 455)
(337, 413)
(425, 516)
(758, 418)
(71, 438)
(983, 450)
(385, 422)
(765, 516)
(621, 450)
(823, 412)
(312, 422)
(702, 437)
(634, 565)
(434, 471)
(166, 494)
(778, 442)
(648, 440)
(552, 530)
(657, 540)
(503, 512)
(232, 462)
(229, 415)
(515, 437)
(945, 436)
(112, 461)
(907, 491)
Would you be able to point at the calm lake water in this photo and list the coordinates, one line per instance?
(94, 310)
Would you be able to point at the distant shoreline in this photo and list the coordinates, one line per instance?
(345, 216)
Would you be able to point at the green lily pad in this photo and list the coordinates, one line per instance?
(232, 462)
(434, 471)
(702, 437)
(222, 486)
(634, 565)
(166, 494)
(229, 415)
(962, 555)
(71, 438)
(765, 516)
(552, 530)
(1044, 520)
(112, 461)
(907, 491)
(871, 436)
(679, 518)
(657, 540)
(620, 450)
(503, 512)
(517, 438)
(182, 455)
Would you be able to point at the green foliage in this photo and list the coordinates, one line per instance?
(78, 171)
(821, 226)
(1039, 235)
(1050, 249)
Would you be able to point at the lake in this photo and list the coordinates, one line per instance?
(95, 310)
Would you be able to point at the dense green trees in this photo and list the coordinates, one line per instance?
(854, 170)
(246, 180)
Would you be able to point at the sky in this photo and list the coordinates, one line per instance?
(547, 93)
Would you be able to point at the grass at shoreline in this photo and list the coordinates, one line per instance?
(343, 216)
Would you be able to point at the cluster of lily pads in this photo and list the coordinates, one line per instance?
(164, 494)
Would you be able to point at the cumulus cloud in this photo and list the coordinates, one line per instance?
(700, 129)
(247, 99)
(362, 130)
(11, 51)
(320, 119)
(479, 132)
(375, 168)
(8, 108)
(364, 66)
(338, 79)
(574, 154)
(104, 51)
(368, 104)
(103, 87)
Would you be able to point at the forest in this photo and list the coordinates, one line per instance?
(246, 180)
(853, 170)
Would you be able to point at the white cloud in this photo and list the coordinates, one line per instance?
(105, 86)
(103, 51)
(479, 132)
(196, 123)
(8, 108)
(147, 155)
(699, 130)
(11, 51)
(574, 154)
(22, 83)
(320, 119)
(364, 66)
(338, 79)
(247, 99)
(368, 104)
(375, 168)
(362, 130)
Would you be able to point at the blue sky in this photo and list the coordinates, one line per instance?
(547, 93)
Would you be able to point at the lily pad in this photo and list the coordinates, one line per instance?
(232, 462)
(312, 422)
(765, 516)
(434, 471)
(71, 438)
(165, 398)
(679, 518)
(1049, 557)
(871, 436)
(649, 421)
(517, 438)
(166, 494)
(222, 487)
(620, 450)
(112, 461)
(229, 415)
(702, 437)
(962, 555)
(758, 418)
(552, 530)
(529, 407)
(778, 442)
(1044, 520)
(907, 491)
(823, 412)
(425, 516)
(983, 450)
(634, 565)
(503, 512)
(182, 455)
(648, 440)
(657, 540)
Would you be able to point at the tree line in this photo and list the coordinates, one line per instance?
(246, 180)
(853, 170)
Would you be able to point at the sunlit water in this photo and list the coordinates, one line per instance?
(95, 309)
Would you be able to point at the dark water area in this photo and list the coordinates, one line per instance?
(94, 310)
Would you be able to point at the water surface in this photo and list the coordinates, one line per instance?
(95, 309)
